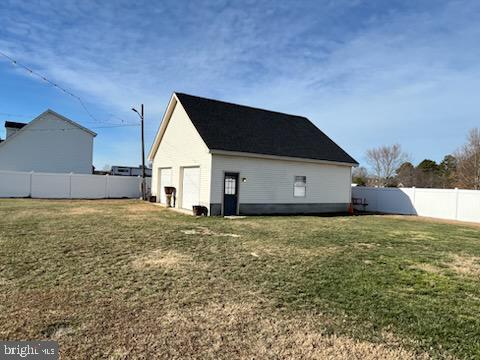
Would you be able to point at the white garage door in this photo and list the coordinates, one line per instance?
(191, 187)
(165, 180)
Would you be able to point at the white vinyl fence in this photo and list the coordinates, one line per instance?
(453, 204)
(68, 186)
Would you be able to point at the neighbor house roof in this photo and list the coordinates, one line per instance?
(238, 128)
(15, 125)
(24, 127)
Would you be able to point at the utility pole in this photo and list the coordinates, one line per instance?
(144, 187)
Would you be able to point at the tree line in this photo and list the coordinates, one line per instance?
(390, 167)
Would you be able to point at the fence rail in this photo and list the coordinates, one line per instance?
(68, 186)
(453, 204)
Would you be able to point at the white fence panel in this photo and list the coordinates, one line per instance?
(389, 200)
(395, 200)
(14, 184)
(468, 208)
(367, 194)
(89, 186)
(68, 186)
(450, 204)
(124, 186)
(50, 186)
(437, 203)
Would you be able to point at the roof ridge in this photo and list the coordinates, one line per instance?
(241, 105)
(241, 128)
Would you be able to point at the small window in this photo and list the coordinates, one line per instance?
(300, 186)
(230, 185)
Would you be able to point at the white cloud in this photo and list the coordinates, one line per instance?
(366, 73)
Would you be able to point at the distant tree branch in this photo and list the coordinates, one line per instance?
(384, 161)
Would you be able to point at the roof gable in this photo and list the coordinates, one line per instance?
(71, 122)
(237, 128)
(26, 127)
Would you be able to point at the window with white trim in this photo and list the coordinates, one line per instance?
(300, 186)
(230, 185)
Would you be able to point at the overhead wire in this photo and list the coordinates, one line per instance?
(15, 115)
(67, 92)
(76, 128)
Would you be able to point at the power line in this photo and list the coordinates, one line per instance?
(76, 128)
(113, 116)
(45, 79)
(14, 115)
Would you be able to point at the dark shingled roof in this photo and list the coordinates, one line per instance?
(231, 127)
(15, 125)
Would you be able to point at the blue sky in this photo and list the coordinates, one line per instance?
(366, 72)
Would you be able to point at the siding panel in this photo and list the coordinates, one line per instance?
(182, 146)
(48, 145)
(271, 181)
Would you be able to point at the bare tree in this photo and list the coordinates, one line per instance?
(384, 161)
(360, 176)
(468, 165)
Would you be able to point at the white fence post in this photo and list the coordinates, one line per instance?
(107, 177)
(70, 186)
(413, 196)
(31, 180)
(456, 203)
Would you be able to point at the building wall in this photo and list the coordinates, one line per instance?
(182, 146)
(10, 131)
(269, 185)
(43, 146)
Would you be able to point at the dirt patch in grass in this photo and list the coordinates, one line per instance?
(162, 258)
(207, 232)
(57, 330)
(283, 251)
(428, 268)
(460, 264)
(81, 210)
(420, 235)
(412, 235)
(211, 331)
(465, 265)
(365, 245)
(142, 207)
(141, 210)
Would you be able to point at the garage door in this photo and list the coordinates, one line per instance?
(191, 187)
(165, 180)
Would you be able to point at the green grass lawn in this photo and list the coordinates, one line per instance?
(125, 279)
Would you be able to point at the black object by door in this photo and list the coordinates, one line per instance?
(230, 194)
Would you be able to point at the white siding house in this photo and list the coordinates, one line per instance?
(271, 181)
(49, 143)
(235, 159)
(181, 150)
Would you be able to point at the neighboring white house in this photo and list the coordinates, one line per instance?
(49, 143)
(236, 159)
